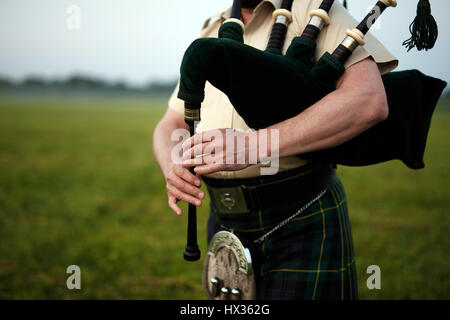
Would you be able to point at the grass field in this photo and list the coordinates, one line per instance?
(79, 185)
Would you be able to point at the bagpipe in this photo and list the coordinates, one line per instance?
(276, 87)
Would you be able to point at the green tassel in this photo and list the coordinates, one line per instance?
(345, 4)
(424, 30)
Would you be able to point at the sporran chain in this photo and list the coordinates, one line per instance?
(285, 222)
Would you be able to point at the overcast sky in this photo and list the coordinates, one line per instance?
(142, 40)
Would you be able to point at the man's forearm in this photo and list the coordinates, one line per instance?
(162, 148)
(343, 114)
(332, 121)
(162, 143)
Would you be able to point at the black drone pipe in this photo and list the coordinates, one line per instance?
(236, 10)
(279, 28)
(326, 5)
(343, 51)
(317, 22)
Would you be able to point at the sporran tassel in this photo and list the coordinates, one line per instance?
(424, 29)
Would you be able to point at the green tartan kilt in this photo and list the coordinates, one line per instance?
(311, 258)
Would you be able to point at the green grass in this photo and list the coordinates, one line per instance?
(79, 185)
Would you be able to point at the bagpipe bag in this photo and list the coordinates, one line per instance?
(266, 87)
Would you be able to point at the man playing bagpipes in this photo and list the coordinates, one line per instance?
(290, 230)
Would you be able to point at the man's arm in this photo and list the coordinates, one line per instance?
(180, 183)
(162, 144)
(358, 103)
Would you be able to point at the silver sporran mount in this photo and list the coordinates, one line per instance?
(228, 269)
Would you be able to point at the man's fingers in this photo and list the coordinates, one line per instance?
(192, 141)
(187, 176)
(193, 163)
(173, 205)
(183, 196)
(209, 169)
(198, 150)
(187, 188)
(189, 143)
(200, 138)
(210, 159)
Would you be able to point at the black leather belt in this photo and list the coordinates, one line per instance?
(235, 196)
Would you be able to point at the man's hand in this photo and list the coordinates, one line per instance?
(182, 185)
(220, 150)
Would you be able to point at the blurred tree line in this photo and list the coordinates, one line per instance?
(82, 85)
